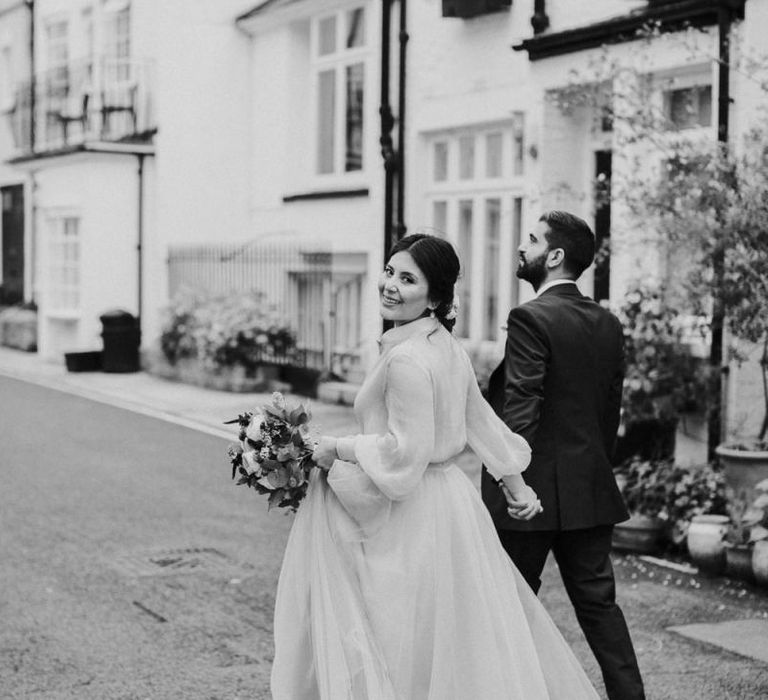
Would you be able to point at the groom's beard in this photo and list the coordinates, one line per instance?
(533, 271)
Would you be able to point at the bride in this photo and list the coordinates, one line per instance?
(394, 585)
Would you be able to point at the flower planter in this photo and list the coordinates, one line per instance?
(738, 562)
(743, 468)
(88, 361)
(234, 379)
(760, 562)
(706, 545)
(640, 534)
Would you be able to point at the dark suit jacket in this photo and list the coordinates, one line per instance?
(559, 386)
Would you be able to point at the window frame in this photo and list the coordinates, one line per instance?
(63, 297)
(339, 62)
(507, 190)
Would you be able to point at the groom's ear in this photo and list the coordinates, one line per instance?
(555, 258)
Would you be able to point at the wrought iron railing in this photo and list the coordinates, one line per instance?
(319, 293)
(100, 100)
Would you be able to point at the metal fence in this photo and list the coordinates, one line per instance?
(317, 291)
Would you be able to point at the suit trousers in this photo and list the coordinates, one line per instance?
(583, 557)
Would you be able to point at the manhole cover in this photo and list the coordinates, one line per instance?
(168, 562)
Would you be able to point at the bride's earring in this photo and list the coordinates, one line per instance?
(431, 313)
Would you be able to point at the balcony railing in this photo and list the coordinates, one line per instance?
(101, 100)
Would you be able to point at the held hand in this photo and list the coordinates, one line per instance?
(523, 504)
(324, 453)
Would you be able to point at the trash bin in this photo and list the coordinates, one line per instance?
(122, 338)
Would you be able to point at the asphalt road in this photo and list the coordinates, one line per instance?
(132, 568)
(102, 594)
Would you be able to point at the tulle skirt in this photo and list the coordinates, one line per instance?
(426, 607)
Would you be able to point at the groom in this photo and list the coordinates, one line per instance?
(559, 386)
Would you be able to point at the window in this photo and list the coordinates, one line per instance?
(516, 234)
(64, 264)
(439, 218)
(685, 108)
(466, 157)
(493, 154)
(117, 46)
(58, 58)
(440, 155)
(465, 255)
(6, 79)
(339, 70)
(475, 200)
(491, 268)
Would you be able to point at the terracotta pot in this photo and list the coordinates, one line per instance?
(640, 534)
(705, 541)
(738, 562)
(760, 562)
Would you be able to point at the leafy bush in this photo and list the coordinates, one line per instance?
(235, 330)
(662, 377)
(662, 489)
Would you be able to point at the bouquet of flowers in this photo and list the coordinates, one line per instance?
(274, 455)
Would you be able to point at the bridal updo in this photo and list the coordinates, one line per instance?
(437, 259)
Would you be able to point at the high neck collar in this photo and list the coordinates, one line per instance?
(395, 336)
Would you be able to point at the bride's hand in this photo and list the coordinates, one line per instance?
(522, 504)
(324, 453)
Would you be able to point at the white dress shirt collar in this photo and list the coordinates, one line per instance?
(548, 285)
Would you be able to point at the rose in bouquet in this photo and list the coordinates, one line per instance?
(274, 454)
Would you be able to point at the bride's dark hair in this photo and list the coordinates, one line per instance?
(438, 261)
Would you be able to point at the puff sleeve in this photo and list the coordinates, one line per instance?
(502, 451)
(396, 460)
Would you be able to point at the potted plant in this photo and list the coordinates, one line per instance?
(746, 293)
(662, 378)
(710, 201)
(237, 342)
(645, 485)
(747, 535)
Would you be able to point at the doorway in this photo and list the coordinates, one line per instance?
(12, 281)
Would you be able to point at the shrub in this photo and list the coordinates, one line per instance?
(240, 329)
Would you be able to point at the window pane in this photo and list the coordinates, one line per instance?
(491, 268)
(465, 255)
(517, 225)
(440, 218)
(327, 38)
(493, 154)
(519, 144)
(63, 264)
(326, 104)
(354, 127)
(355, 28)
(689, 107)
(705, 105)
(440, 165)
(467, 157)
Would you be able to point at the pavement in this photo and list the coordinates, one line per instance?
(191, 406)
(206, 410)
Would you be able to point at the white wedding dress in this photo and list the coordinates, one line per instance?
(394, 584)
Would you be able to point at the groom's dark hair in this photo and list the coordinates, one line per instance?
(574, 236)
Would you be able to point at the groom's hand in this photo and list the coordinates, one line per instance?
(522, 505)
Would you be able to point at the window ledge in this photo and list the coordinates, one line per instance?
(325, 194)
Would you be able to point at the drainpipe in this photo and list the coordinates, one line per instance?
(140, 243)
(716, 422)
(540, 19)
(403, 39)
(387, 124)
(32, 75)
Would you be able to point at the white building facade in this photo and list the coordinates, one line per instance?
(163, 130)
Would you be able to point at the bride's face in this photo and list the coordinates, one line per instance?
(403, 290)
